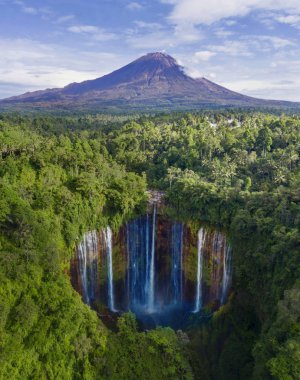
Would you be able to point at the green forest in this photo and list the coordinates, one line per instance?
(61, 176)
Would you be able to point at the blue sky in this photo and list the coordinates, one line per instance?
(250, 46)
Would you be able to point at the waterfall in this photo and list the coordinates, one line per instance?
(177, 257)
(128, 266)
(181, 266)
(110, 278)
(226, 273)
(87, 253)
(140, 244)
(160, 273)
(82, 258)
(146, 234)
(152, 264)
(200, 249)
(137, 270)
(217, 253)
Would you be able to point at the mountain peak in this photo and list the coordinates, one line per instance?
(146, 71)
(157, 54)
(159, 58)
(153, 80)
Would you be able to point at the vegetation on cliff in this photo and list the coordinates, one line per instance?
(238, 172)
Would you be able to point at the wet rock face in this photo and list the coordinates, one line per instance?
(154, 266)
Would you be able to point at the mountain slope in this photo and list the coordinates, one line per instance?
(154, 80)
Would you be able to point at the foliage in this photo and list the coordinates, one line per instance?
(61, 176)
(145, 355)
(52, 189)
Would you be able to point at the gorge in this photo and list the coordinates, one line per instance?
(208, 266)
(162, 270)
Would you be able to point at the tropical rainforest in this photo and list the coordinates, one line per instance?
(61, 176)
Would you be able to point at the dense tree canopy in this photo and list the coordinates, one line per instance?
(62, 176)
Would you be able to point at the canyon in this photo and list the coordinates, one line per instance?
(162, 270)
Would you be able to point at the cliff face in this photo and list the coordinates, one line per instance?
(153, 266)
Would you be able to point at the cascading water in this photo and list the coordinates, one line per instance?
(226, 273)
(154, 267)
(218, 251)
(87, 253)
(140, 236)
(177, 261)
(147, 237)
(152, 264)
(128, 277)
(200, 248)
(110, 275)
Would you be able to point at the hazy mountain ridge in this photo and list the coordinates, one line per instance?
(154, 80)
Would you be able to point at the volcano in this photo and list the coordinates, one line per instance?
(154, 81)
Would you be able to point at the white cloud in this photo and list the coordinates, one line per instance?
(148, 25)
(98, 34)
(203, 12)
(134, 6)
(233, 48)
(247, 85)
(251, 45)
(187, 33)
(193, 72)
(204, 55)
(32, 10)
(163, 38)
(293, 20)
(29, 65)
(231, 22)
(266, 88)
(276, 42)
(149, 41)
(83, 29)
(223, 33)
(66, 18)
